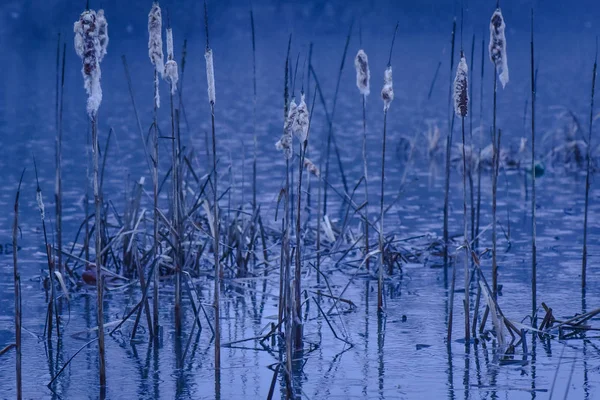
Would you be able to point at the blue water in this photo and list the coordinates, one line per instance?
(399, 358)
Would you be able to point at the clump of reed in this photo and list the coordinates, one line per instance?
(91, 41)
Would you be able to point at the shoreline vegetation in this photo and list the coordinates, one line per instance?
(200, 231)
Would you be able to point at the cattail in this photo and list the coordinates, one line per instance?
(285, 143)
(301, 120)
(171, 73)
(102, 33)
(89, 47)
(210, 75)
(363, 75)
(40, 203)
(155, 45)
(311, 167)
(461, 82)
(497, 47)
(387, 93)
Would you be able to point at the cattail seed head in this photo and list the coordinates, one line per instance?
(285, 143)
(171, 73)
(40, 203)
(102, 33)
(497, 47)
(210, 75)
(311, 167)
(155, 44)
(363, 75)
(89, 47)
(387, 93)
(300, 123)
(461, 82)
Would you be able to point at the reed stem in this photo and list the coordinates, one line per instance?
(98, 235)
(17, 287)
(381, 212)
(587, 175)
(533, 199)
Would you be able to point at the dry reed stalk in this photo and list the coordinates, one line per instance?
(330, 136)
(461, 103)
(17, 287)
(587, 175)
(155, 53)
(533, 223)
(210, 78)
(448, 155)
(171, 75)
(91, 40)
(387, 95)
(478, 212)
(363, 76)
(58, 181)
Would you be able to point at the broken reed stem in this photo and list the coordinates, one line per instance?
(98, 236)
(466, 237)
(448, 150)
(17, 286)
(52, 308)
(533, 224)
(495, 154)
(587, 175)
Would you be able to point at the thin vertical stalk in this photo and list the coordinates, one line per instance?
(176, 234)
(364, 154)
(533, 223)
(466, 237)
(17, 286)
(495, 155)
(470, 176)
(587, 175)
(448, 149)
(155, 183)
(478, 213)
(98, 235)
(58, 182)
(381, 212)
(298, 271)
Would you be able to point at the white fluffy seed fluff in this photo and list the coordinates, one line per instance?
(210, 75)
(461, 82)
(387, 93)
(497, 46)
(300, 123)
(311, 167)
(89, 48)
(171, 72)
(285, 143)
(40, 203)
(102, 33)
(363, 75)
(155, 44)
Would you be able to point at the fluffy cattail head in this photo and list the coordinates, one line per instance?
(171, 73)
(497, 46)
(387, 93)
(285, 143)
(40, 203)
(363, 75)
(102, 33)
(300, 123)
(210, 75)
(461, 82)
(89, 48)
(311, 167)
(155, 44)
